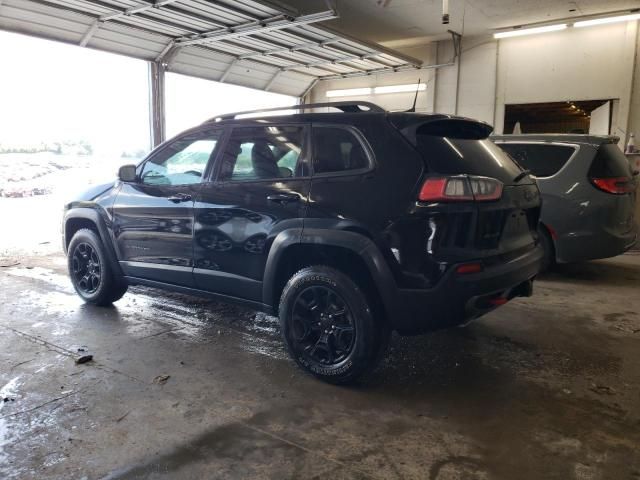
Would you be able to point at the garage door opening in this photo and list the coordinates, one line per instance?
(586, 116)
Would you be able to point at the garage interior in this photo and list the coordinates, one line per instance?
(185, 387)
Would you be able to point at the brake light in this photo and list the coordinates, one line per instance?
(460, 188)
(469, 268)
(615, 185)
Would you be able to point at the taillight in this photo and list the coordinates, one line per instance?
(466, 268)
(615, 185)
(460, 188)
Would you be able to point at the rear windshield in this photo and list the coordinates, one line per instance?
(454, 156)
(610, 162)
(543, 160)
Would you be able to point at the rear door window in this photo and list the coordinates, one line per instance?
(543, 160)
(610, 162)
(264, 153)
(337, 150)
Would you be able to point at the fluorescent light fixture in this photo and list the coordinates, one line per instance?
(357, 92)
(349, 92)
(530, 31)
(602, 21)
(410, 87)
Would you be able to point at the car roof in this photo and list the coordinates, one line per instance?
(595, 140)
(349, 112)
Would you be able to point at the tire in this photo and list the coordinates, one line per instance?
(549, 257)
(90, 271)
(329, 326)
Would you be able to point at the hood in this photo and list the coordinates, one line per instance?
(91, 194)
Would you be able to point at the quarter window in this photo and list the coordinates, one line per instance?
(261, 153)
(337, 150)
(182, 162)
(542, 160)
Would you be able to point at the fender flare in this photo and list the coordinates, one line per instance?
(93, 215)
(357, 243)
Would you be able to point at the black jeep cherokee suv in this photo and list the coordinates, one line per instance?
(347, 225)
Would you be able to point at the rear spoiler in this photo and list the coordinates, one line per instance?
(410, 125)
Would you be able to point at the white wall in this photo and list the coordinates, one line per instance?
(574, 64)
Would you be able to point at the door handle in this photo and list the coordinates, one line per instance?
(180, 197)
(283, 198)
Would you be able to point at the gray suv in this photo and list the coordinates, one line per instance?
(588, 190)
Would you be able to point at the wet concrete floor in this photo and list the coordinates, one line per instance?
(544, 388)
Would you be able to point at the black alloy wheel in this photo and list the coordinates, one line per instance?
(331, 326)
(86, 267)
(322, 325)
(93, 277)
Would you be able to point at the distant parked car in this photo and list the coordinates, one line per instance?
(588, 190)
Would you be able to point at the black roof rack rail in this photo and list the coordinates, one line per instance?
(347, 107)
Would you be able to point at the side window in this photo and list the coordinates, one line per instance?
(183, 162)
(337, 150)
(262, 153)
(542, 160)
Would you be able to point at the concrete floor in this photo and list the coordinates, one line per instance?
(543, 388)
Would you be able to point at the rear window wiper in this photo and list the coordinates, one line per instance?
(521, 175)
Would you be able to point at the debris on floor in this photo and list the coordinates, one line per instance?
(602, 389)
(5, 263)
(84, 359)
(161, 379)
(122, 417)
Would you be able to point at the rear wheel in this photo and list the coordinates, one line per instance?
(328, 326)
(90, 271)
(549, 258)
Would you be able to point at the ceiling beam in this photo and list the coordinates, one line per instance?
(141, 7)
(294, 48)
(255, 26)
(272, 80)
(89, 33)
(121, 15)
(226, 73)
(347, 59)
(399, 68)
(220, 48)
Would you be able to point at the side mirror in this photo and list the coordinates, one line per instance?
(127, 173)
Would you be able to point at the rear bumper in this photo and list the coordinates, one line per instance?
(578, 247)
(459, 298)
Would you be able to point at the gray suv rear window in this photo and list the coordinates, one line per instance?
(540, 159)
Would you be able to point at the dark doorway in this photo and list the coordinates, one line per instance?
(551, 117)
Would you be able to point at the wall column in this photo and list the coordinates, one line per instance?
(157, 103)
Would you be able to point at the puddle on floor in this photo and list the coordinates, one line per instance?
(195, 318)
(43, 274)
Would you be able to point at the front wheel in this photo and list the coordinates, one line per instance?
(328, 326)
(90, 271)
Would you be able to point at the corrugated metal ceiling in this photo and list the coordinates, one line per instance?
(245, 42)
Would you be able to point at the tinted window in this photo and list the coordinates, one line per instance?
(541, 160)
(337, 150)
(259, 153)
(610, 162)
(182, 162)
(454, 156)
